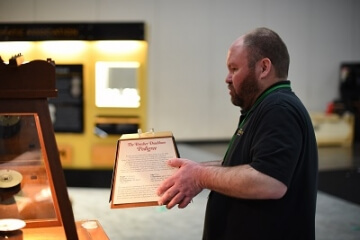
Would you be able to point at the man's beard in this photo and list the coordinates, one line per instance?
(249, 89)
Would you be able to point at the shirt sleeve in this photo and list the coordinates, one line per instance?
(277, 143)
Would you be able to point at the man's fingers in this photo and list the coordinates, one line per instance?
(176, 199)
(168, 196)
(165, 186)
(175, 162)
(186, 201)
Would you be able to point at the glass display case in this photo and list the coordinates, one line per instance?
(26, 190)
(27, 195)
(32, 184)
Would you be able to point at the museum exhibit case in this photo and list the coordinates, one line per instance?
(34, 201)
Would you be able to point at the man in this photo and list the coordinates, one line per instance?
(266, 186)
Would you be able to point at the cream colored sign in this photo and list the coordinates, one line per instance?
(140, 168)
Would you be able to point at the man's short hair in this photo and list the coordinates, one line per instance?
(265, 43)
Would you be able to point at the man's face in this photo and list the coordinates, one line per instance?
(241, 79)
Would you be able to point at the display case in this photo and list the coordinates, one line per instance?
(32, 184)
(25, 180)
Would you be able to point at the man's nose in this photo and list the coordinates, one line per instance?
(228, 78)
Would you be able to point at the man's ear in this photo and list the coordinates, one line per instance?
(264, 67)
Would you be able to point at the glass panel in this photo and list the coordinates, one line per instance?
(25, 189)
(66, 110)
(116, 84)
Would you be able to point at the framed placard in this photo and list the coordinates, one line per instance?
(140, 166)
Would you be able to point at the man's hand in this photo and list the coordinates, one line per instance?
(182, 186)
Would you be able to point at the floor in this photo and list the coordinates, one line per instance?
(337, 217)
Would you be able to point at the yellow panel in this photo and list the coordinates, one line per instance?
(103, 155)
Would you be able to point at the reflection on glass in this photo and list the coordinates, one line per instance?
(25, 192)
(116, 84)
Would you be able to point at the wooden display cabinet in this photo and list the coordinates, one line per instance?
(32, 183)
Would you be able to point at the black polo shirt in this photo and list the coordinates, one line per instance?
(278, 140)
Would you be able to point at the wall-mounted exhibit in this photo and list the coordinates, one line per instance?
(100, 79)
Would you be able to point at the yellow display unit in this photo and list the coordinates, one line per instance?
(112, 83)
